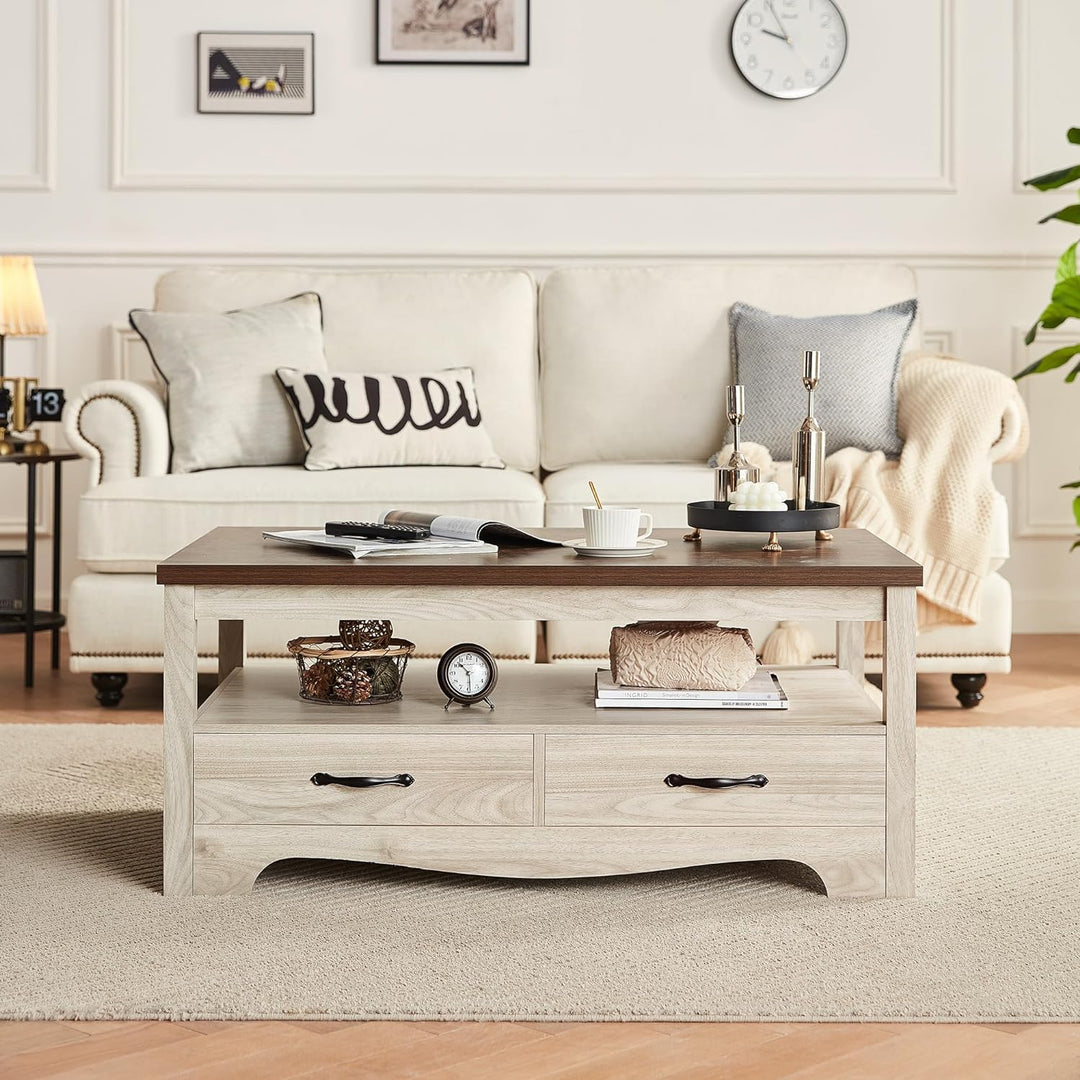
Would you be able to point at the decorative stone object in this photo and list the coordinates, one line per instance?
(682, 656)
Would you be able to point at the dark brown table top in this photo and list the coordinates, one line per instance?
(240, 556)
(38, 459)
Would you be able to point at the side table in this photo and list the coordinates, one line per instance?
(30, 621)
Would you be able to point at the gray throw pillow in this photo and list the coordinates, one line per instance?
(225, 405)
(855, 401)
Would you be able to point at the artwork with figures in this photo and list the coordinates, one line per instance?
(453, 31)
(256, 73)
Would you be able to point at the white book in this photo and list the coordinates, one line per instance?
(763, 688)
(363, 548)
(757, 704)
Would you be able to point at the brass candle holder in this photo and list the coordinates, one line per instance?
(738, 469)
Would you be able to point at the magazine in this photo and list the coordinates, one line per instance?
(361, 548)
(462, 528)
(763, 691)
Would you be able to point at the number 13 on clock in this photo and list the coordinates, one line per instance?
(788, 48)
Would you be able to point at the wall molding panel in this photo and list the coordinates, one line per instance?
(123, 176)
(43, 176)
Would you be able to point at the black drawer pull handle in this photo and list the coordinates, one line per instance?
(401, 780)
(675, 780)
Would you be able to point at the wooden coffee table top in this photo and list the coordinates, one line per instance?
(240, 556)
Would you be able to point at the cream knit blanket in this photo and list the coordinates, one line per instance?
(936, 503)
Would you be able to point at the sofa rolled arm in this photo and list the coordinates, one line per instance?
(981, 407)
(122, 427)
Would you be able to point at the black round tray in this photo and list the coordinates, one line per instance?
(719, 517)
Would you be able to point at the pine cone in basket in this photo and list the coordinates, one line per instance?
(351, 685)
(317, 680)
(364, 634)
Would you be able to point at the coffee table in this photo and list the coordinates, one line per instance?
(545, 786)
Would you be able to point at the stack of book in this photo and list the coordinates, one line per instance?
(763, 691)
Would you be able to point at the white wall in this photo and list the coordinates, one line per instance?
(629, 137)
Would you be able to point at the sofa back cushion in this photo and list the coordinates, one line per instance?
(634, 359)
(406, 322)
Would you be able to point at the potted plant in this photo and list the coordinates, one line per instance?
(1065, 298)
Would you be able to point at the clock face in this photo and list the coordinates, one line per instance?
(467, 673)
(788, 48)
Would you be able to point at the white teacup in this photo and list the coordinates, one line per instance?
(615, 526)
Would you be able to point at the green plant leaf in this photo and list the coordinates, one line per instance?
(1071, 484)
(1051, 360)
(1057, 178)
(1076, 509)
(1073, 135)
(1066, 213)
(1066, 267)
(1071, 377)
(1066, 295)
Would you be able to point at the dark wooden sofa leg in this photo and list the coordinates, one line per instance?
(969, 689)
(109, 687)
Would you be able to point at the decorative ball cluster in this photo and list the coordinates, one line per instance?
(751, 496)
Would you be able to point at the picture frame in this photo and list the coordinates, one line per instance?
(255, 73)
(452, 32)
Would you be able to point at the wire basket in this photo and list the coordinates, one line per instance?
(333, 674)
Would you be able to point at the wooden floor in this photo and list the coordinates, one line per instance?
(1043, 689)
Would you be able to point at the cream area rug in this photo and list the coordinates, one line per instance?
(994, 934)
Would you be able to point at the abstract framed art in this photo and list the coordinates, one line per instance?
(452, 31)
(255, 73)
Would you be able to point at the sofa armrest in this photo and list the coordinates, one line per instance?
(980, 406)
(122, 427)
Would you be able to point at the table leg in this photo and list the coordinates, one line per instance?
(898, 710)
(31, 570)
(56, 518)
(230, 646)
(181, 670)
(851, 648)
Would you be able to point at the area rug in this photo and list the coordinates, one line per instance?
(994, 934)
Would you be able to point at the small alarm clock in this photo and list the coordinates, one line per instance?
(467, 674)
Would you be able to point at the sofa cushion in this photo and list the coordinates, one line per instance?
(350, 420)
(403, 322)
(225, 406)
(635, 358)
(131, 525)
(860, 366)
(661, 490)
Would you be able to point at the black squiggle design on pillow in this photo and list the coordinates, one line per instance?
(336, 409)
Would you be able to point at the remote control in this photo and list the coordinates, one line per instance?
(372, 530)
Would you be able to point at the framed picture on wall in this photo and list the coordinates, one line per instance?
(452, 31)
(256, 73)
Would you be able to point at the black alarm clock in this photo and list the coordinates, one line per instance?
(467, 674)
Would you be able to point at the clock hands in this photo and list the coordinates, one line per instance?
(783, 33)
(773, 33)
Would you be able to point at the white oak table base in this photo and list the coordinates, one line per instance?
(546, 786)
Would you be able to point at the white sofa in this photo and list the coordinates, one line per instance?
(613, 374)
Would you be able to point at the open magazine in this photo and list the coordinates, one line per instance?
(446, 527)
(360, 548)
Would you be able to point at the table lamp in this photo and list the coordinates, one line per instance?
(22, 314)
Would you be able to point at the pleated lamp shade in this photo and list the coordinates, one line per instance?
(22, 314)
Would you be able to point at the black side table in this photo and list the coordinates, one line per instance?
(29, 621)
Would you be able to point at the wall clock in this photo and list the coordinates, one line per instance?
(467, 674)
(788, 48)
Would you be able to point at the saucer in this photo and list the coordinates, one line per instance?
(640, 550)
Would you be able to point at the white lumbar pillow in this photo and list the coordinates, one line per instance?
(351, 420)
(225, 406)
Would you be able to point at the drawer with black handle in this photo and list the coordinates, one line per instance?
(363, 779)
(714, 780)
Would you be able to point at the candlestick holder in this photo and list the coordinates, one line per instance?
(738, 469)
(808, 446)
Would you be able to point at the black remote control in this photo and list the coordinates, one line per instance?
(372, 530)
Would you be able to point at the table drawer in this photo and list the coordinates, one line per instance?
(620, 780)
(259, 778)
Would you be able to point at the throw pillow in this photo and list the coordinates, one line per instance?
(855, 401)
(352, 420)
(225, 407)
